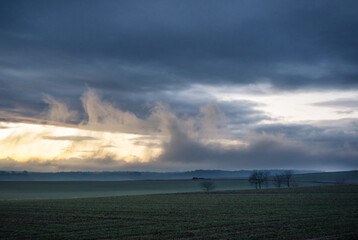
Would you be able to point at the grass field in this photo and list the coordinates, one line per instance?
(326, 212)
(329, 177)
(76, 189)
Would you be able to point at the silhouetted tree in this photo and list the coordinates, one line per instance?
(258, 178)
(287, 177)
(207, 186)
(278, 180)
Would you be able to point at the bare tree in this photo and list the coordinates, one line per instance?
(278, 180)
(287, 177)
(207, 186)
(258, 178)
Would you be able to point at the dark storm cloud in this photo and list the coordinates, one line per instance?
(271, 145)
(60, 47)
(340, 136)
(290, 130)
(242, 112)
(335, 151)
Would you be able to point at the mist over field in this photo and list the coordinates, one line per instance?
(131, 175)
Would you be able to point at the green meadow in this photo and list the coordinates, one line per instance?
(323, 212)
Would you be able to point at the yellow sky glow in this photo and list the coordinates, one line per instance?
(23, 142)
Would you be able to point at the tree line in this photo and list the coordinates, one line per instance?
(260, 178)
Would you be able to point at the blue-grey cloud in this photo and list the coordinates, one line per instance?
(265, 151)
(131, 47)
(339, 103)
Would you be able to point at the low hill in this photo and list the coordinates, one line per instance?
(125, 175)
(78, 189)
(329, 177)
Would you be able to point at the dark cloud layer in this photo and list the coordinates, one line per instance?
(275, 146)
(60, 47)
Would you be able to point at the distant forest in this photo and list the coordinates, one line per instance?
(128, 175)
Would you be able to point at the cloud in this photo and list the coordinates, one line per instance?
(347, 103)
(264, 152)
(207, 139)
(130, 55)
(261, 152)
(269, 146)
(73, 164)
(58, 111)
(134, 58)
(70, 138)
(113, 127)
(147, 76)
(103, 116)
(3, 126)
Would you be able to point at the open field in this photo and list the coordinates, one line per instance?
(329, 177)
(78, 189)
(325, 212)
(82, 189)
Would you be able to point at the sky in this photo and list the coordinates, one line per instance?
(178, 85)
